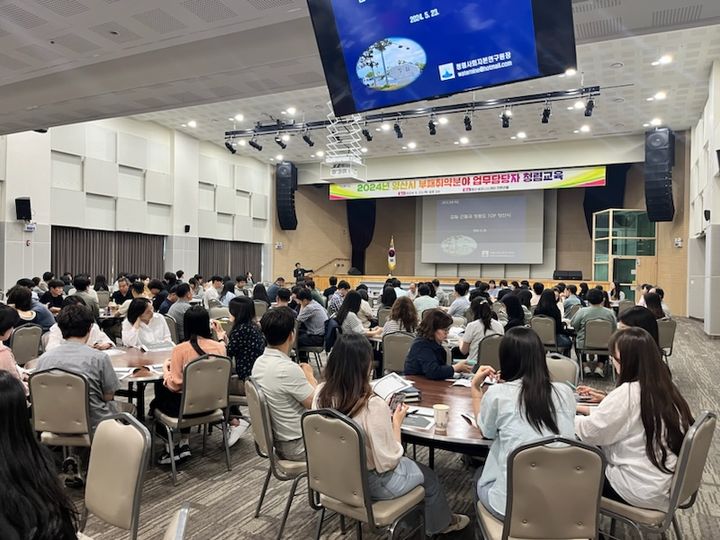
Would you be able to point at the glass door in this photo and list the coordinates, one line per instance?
(625, 272)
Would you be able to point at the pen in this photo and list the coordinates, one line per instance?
(467, 418)
(411, 412)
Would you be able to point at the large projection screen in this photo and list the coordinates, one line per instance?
(502, 228)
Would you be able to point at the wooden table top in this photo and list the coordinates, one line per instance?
(132, 357)
(459, 400)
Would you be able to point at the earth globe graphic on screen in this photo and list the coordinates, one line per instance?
(391, 63)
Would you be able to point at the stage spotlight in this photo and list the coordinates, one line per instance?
(230, 147)
(505, 117)
(398, 131)
(308, 140)
(255, 145)
(279, 142)
(546, 114)
(368, 136)
(468, 123)
(432, 128)
(589, 107)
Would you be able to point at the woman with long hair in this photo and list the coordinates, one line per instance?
(388, 297)
(640, 425)
(101, 283)
(515, 313)
(260, 293)
(525, 297)
(583, 293)
(348, 319)
(403, 317)
(34, 505)
(391, 474)
(246, 341)
(640, 317)
(523, 407)
(228, 293)
(654, 303)
(427, 355)
(143, 327)
(547, 307)
(482, 326)
(616, 293)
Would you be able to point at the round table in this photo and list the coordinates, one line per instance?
(460, 437)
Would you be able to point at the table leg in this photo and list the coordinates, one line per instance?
(130, 391)
(431, 457)
(140, 401)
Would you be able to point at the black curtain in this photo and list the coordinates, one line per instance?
(612, 195)
(361, 224)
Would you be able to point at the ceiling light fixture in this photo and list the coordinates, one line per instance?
(580, 104)
(192, 124)
(547, 113)
(364, 150)
(398, 130)
(660, 96)
(442, 120)
(255, 145)
(432, 127)
(522, 135)
(385, 126)
(570, 72)
(308, 140)
(239, 117)
(242, 142)
(368, 136)
(412, 145)
(279, 157)
(585, 129)
(279, 142)
(505, 118)
(291, 110)
(589, 107)
(285, 137)
(230, 147)
(468, 123)
(664, 60)
(655, 122)
(319, 153)
(464, 140)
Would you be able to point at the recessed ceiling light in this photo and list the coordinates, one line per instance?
(443, 120)
(663, 60)
(619, 125)
(242, 142)
(404, 147)
(285, 137)
(364, 150)
(279, 157)
(231, 119)
(617, 65)
(239, 117)
(272, 159)
(513, 137)
(522, 135)
(619, 100)
(585, 129)
(412, 145)
(464, 140)
(646, 124)
(660, 96)
(456, 142)
(291, 110)
(192, 124)
(385, 126)
(571, 108)
(378, 129)
(655, 122)
(576, 131)
(571, 72)
(319, 153)
(183, 125)
(580, 104)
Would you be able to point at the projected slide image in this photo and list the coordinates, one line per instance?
(390, 64)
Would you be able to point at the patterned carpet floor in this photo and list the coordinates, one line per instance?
(223, 503)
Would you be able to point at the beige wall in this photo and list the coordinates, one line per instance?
(574, 243)
(396, 218)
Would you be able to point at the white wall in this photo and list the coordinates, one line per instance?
(704, 241)
(127, 175)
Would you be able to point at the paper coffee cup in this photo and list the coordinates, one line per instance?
(442, 415)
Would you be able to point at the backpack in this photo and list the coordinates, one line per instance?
(332, 329)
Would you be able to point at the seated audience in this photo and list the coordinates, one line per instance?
(391, 474)
(211, 295)
(74, 354)
(547, 307)
(366, 315)
(525, 297)
(412, 291)
(583, 293)
(661, 293)
(336, 300)
(571, 298)
(288, 387)
(654, 304)
(423, 300)
(179, 275)
(97, 339)
(100, 283)
(158, 293)
(312, 317)
(316, 294)
(327, 293)
(515, 313)
(227, 293)
(169, 300)
(20, 298)
(594, 311)
(245, 342)
(616, 294)
(137, 290)
(388, 297)
(525, 406)
(403, 317)
(537, 290)
(274, 288)
(640, 425)
(34, 504)
(427, 356)
(53, 298)
(492, 288)
(82, 289)
(640, 317)
(482, 326)
(197, 290)
(179, 307)
(282, 299)
(397, 285)
(8, 320)
(45, 283)
(644, 289)
(348, 319)
(144, 328)
(240, 284)
(440, 293)
(260, 294)
(462, 301)
(122, 293)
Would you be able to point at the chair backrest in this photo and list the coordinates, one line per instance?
(469, 315)
(176, 528)
(25, 343)
(572, 311)
(60, 402)
(554, 488)
(460, 322)
(562, 369)
(119, 457)
(44, 341)
(691, 461)
(172, 326)
(336, 460)
(260, 308)
(545, 328)
(395, 350)
(220, 312)
(103, 298)
(666, 333)
(624, 305)
(489, 351)
(597, 334)
(383, 315)
(205, 382)
(260, 418)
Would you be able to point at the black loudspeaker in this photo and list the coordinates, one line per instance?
(22, 208)
(659, 161)
(187, 228)
(718, 157)
(285, 186)
(567, 275)
(706, 213)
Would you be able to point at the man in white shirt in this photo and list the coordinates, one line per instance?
(213, 291)
(97, 339)
(424, 301)
(289, 388)
(412, 291)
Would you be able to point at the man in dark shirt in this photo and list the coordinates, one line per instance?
(53, 298)
(327, 293)
(169, 300)
(123, 293)
(159, 294)
(299, 272)
(274, 288)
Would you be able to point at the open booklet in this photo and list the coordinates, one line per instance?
(125, 372)
(155, 347)
(391, 384)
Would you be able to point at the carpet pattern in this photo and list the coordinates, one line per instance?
(223, 503)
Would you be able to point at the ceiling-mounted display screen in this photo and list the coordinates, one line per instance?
(378, 54)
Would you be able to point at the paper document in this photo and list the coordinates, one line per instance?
(389, 385)
(114, 352)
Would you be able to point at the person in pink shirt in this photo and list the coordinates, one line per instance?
(8, 319)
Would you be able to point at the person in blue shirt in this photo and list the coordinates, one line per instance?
(427, 356)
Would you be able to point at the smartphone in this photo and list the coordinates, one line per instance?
(397, 399)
